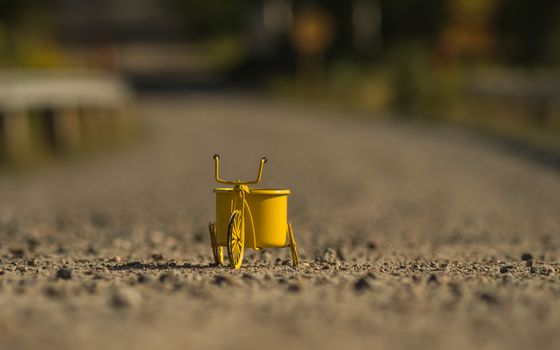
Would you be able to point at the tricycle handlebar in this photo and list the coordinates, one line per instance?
(237, 182)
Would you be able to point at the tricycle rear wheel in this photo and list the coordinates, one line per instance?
(217, 250)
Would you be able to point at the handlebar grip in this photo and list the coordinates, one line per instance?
(216, 156)
(264, 159)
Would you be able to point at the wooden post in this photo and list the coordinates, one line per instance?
(17, 135)
(67, 129)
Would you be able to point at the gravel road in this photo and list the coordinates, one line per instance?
(410, 236)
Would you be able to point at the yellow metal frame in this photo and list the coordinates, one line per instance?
(240, 211)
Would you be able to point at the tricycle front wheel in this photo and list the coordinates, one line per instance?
(236, 239)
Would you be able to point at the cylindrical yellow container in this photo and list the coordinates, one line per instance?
(269, 213)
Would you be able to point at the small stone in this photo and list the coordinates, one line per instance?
(17, 252)
(21, 269)
(64, 273)
(91, 250)
(198, 237)
(53, 292)
(547, 270)
(248, 277)
(124, 298)
(2, 271)
(329, 256)
(526, 256)
(455, 288)
(32, 262)
(294, 288)
(132, 264)
(32, 244)
(117, 259)
(433, 278)
(372, 245)
(170, 276)
(157, 256)
(341, 253)
(265, 257)
(362, 284)
(99, 276)
(91, 288)
(488, 298)
(144, 278)
(177, 286)
(221, 280)
(505, 269)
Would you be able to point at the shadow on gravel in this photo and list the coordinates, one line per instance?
(535, 154)
(137, 265)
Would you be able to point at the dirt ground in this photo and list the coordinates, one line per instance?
(410, 236)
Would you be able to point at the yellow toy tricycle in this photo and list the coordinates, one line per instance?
(257, 218)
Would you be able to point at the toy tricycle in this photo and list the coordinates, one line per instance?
(257, 218)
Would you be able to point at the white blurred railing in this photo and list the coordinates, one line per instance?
(57, 113)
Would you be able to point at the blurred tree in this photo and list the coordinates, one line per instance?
(211, 18)
(412, 20)
(467, 33)
(13, 14)
(524, 28)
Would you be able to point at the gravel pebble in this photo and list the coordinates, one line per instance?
(248, 277)
(124, 298)
(170, 276)
(64, 273)
(221, 280)
(547, 270)
(506, 268)
(157, 256)
(433, 278)
(363, 283)
(144, 278)
(54, 292)
(488, 298)
(329, 256)
(17, 252)
(294, 288)
(526, 256)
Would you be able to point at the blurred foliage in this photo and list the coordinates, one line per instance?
(210, 18)
(526, 29)
(27, 35)
(430, 59)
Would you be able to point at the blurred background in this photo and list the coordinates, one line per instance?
(70, 68)
(412, 134)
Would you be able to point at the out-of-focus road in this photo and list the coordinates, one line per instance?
(411, 236)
